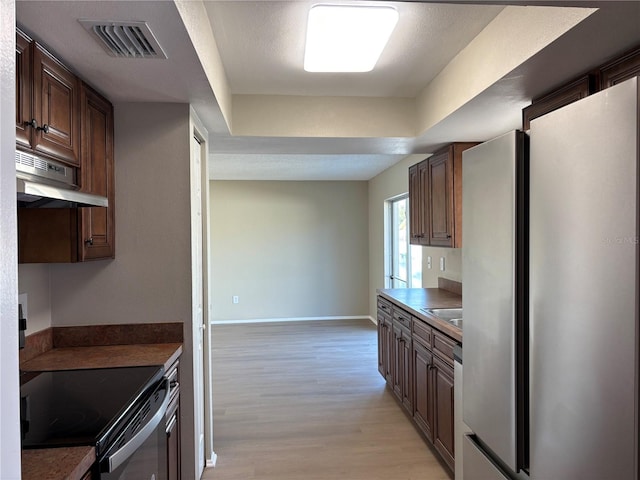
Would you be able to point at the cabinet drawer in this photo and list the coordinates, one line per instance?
(402, 317)
(401, 331)
(443, 347)
(383, 316)
(422, 333)
(384, 306)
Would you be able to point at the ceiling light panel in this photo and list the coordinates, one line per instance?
(347, 38)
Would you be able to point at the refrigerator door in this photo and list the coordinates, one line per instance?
(476, 465)
(489, 301)
(584, 288)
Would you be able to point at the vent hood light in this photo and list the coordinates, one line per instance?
(347, 38)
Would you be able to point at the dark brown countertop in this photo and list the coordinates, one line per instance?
(57, 463)
(72, 463)
(413, 299)
(105, 356)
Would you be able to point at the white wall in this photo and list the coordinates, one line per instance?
(9, 409)
(149, 281)
(288, 249)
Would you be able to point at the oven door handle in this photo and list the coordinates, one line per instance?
(117, 458)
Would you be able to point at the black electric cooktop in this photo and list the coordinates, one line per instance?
(82, 407)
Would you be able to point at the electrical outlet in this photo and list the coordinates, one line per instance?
(236, 299)
(429, 262)
(442, 264)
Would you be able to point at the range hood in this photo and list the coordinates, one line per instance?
(46, 184)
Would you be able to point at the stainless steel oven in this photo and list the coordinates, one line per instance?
(120, 411)
(140, 451)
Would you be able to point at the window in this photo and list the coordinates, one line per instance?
(403, 266)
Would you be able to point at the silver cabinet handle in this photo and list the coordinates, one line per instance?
(117, 458)
(172, 422)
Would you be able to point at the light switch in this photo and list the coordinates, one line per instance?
(429, 262)
(442, 264)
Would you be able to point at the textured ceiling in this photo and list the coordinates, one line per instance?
(262, 48)
(260, 45)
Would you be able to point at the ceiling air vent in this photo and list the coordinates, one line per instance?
(125, 39)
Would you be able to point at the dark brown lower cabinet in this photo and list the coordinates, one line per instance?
(417, 364)
(402, 365)
(384, 346)
(422, 363)
(443, 429)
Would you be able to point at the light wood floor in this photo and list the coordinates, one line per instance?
(305, 401)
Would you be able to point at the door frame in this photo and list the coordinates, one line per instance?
(198, 132)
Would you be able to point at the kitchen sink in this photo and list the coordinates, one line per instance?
(450, 315)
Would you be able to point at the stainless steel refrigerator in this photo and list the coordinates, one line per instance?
(550, 267)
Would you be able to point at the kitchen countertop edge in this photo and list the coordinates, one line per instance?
(413, 299)
(69, 463)
(105, 356)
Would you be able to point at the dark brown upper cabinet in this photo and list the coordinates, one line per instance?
(24, 90)
(47, 103)
(97, 223)
(576, 90)
(617, 70)
(79, 132)
(620, 69)
(435, 198)
(418, 215)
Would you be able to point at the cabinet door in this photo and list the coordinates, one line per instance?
(443, 428)
(423, 198)
(422, 397)
(418, 208)
(381, 344)
(414, 204)
(23, 89)
(388, 353)
(402, 381)
(56, 108)
(440, 191)
(396, 359)
(97, 169)
(407, 379)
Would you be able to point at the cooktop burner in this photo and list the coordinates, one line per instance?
(81, 407)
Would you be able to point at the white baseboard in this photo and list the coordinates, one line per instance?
(211, 462)
(295, 319)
